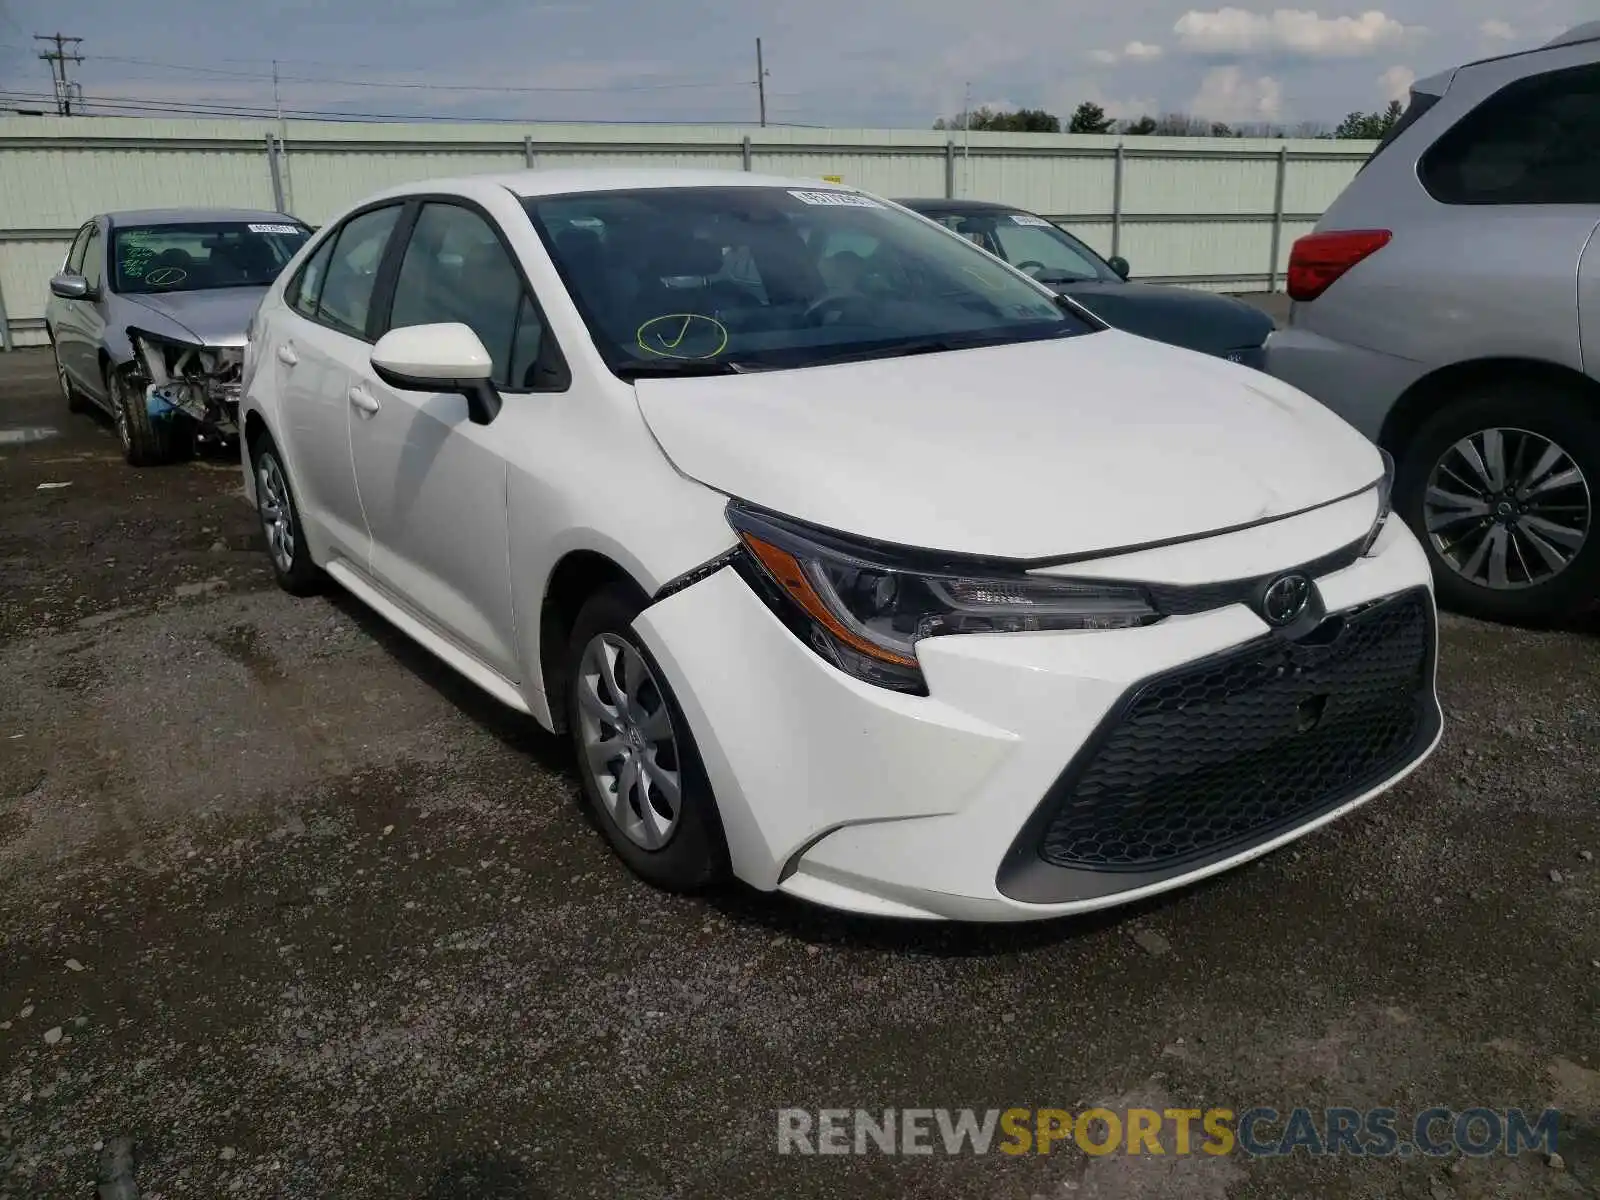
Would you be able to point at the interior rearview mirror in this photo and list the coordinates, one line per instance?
(1119, 264)
(439, 358)
(70, 287)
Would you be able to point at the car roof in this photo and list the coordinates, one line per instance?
(1438, 84)
(182, 216)
(946, 204)
(558, 181)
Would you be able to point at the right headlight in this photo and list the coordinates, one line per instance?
(864, 608)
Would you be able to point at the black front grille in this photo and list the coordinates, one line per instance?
(1249, 743)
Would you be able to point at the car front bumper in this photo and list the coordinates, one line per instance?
(973, 802)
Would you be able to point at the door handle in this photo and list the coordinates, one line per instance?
(286, 354)
(363, 400)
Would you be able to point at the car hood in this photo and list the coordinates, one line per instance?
(1034, 450)
(1202, 321)
(216, 317)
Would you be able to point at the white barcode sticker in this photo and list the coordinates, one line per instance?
(274, 229)
(1028, 219)
(837, 199)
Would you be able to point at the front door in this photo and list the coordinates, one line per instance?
(432, 483)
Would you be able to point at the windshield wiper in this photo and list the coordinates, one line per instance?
(678, 368)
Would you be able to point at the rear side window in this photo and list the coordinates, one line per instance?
(1532, 142)
(1419, 104)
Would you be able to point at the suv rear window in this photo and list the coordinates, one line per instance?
(1532, 142)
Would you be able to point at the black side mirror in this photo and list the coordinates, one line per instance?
(1120, 265)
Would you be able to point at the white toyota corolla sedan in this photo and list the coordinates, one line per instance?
(852, 560)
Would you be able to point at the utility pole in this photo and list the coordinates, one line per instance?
(58, 60)
(761, 84)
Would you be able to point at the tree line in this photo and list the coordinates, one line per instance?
(1089, 117)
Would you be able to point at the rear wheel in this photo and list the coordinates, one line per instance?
(280, 522)
(641, 773)
(1501, 488)
(145, 443)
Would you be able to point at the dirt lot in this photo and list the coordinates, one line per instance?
(303, 915)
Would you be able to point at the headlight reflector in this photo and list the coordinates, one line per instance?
(865, 608)
(1385, 502)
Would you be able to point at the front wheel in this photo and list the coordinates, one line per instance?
(76, 402)
(145, 442)
(641, 773)
(1500, 487)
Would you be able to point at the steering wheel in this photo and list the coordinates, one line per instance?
(834, 304)
(1032, 263)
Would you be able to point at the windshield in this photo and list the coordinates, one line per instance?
(201, 255)
(704, 278)
(1032, 244)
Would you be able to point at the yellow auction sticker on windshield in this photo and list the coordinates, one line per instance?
(683, 335)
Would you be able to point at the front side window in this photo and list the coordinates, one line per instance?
(306, 289)
(753, 277)
(456, 269)
(1532, 142)
(345, 298)
(202, 255)
(1046, 253)
(74, 264)
(94, 258)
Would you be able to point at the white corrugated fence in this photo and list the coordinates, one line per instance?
(1213, 213)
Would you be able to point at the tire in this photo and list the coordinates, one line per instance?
(1532, 516)
(281, 526)
(687, 852)
(77, 402)
(145, 443)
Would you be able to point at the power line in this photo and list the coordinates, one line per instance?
(417, 85)
(135, 106)
(58, 60)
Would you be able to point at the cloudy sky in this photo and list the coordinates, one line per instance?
(830, 62)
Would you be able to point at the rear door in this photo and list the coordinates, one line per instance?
(317, 356)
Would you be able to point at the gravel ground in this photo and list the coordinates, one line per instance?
(302, 915)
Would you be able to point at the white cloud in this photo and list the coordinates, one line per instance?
(1227, 94)
(1287, 31)
(1396, 83)
(1104, 56)
(1141, 51)
(1497, 31)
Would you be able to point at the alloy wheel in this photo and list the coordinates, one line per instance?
(119, 414)
(277, 517)
(629, 748)
(1507, 509)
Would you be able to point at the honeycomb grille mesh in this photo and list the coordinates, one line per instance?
(1250, 743)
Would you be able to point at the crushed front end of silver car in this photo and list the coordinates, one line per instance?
(187, 383)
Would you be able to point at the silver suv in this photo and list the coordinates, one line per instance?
(1448, 306)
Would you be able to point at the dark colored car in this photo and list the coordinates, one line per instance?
(1195, 320)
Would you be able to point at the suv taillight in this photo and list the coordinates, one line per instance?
(1320, 258)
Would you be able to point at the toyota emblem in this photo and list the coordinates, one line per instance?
(1286, 599)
